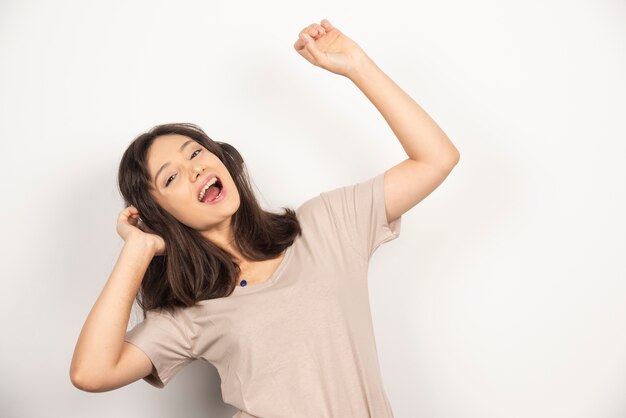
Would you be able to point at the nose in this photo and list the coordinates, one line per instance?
(195, 171)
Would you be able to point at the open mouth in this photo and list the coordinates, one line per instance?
(212, 192)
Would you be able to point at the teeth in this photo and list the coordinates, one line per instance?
(206, 187)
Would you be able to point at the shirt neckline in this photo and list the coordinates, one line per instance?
(249, 288)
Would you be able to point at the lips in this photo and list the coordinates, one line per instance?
(209, 177)
(221, 196)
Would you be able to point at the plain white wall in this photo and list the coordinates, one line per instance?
(503, 296)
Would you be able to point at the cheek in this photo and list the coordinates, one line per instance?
(180, 200)
(173, 202)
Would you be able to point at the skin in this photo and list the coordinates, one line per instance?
(431, 154)
(102, 361)
(186, 171)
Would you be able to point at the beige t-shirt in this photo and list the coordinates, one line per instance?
(301, 343)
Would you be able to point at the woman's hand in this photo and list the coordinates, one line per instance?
(325, 46)
(130, 227)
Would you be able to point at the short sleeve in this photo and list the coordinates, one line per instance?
(165, 342)
(359, 214)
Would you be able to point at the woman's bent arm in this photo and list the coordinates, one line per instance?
(101, 340)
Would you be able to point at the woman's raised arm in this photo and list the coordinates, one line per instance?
(431, 154)
(100, 348)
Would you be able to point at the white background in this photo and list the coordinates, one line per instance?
(504, 295)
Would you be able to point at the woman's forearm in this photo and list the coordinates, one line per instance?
(102, 336)
(419, 135)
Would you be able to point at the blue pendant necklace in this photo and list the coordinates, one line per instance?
(243, 282)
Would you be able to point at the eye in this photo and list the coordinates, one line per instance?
(167, 183)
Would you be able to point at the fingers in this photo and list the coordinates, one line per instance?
(305, 45)
(129, 214)
(318, 57)
(130, 210)
(314, 30)
(327, 25)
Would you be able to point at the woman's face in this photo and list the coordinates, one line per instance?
(179, 167)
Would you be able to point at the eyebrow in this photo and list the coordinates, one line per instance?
(156, 177)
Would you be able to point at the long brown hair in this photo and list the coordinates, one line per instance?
(194, 268)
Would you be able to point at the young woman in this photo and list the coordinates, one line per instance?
(277, 302)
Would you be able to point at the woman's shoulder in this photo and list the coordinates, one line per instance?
(331, 198)
(165, 314)
(177, 319)
(308, 205)
(311, 208)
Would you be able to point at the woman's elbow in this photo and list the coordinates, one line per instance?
(84, 382)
